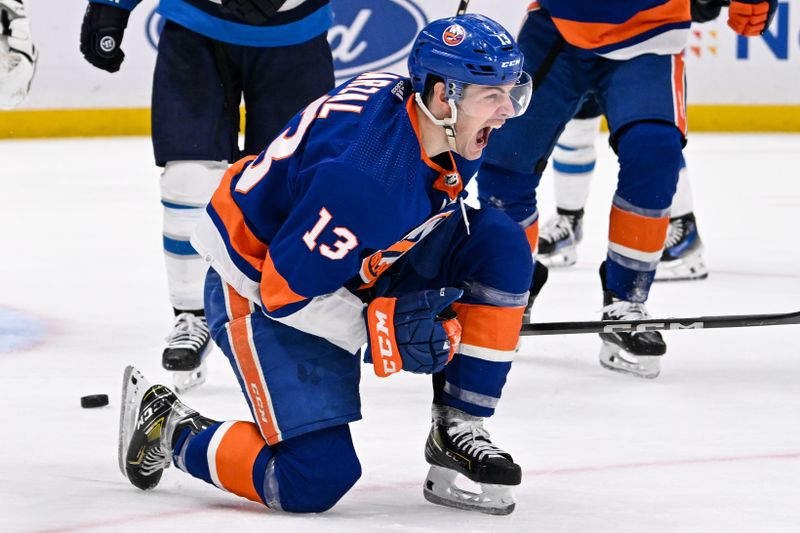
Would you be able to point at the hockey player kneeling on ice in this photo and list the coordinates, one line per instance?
(17, 54)
(350, 230)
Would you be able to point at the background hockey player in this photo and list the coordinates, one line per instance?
(574, 158)
(274, 53)
(17, 54)
(629, 55)
(350, 229)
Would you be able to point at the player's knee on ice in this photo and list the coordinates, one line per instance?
(650, 159)
(315, 470)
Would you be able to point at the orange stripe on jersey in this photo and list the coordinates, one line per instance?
(238, 305)
(488, 326)
(591, 35)
(247, 360)
(679, 92)
(235, 457)
(247, 245)
(275, 290)
(532, 234)
(645, 234)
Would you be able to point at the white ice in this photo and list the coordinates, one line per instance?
(711, 445)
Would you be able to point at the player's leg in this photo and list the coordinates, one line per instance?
(278, 82)
(644, 101)
(306, 473)
(492, 263)
(194, 138)
(574, 158)
(683, 252)
(517, 153)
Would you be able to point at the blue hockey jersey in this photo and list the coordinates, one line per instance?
(297, 22)
(333, 201)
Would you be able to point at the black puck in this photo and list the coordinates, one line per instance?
(94, 400)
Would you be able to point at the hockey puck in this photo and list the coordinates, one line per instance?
(94, 400)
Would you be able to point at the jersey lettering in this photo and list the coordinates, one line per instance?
(338, 249)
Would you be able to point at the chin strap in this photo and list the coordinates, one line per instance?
(449, 124)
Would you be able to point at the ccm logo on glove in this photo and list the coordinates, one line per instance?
(416, 332)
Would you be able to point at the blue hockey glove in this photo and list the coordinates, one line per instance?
(101, 35)
(415, 332)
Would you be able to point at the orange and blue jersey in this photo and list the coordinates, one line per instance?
(340, 194)
(622, 29)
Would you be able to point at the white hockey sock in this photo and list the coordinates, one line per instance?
(186, 188)
(574, 159)
(683, 201)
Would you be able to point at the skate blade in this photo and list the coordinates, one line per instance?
(440, 489)
(691, 267)
(134, 385)
(186, 380)
(614, 358)
(560, 259)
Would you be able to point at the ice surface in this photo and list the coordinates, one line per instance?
(713, 445)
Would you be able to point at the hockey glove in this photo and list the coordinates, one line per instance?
(751, 17)
(101, 35)
(255, 12)
(17, 54)
(707, 10)
(414, 332)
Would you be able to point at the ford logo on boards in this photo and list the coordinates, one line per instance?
(369, 35)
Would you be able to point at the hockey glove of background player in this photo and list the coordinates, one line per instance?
(17, 54)
(413, 332)
(751, 17)
(253, 11)
(706, 10)
(101, 35)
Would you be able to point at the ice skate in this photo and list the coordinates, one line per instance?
(683, 252)
(149, 417)
(637, 353)
(540, 274)
(558, 242)
(187, 347)
(458, 444)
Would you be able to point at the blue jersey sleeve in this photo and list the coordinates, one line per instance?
(337, 220)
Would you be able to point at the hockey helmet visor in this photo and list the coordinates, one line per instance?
(496, 101)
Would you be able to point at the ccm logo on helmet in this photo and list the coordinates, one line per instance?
(512, 63)
(453, 35)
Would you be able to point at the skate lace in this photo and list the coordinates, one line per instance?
(190, 331)
(471, 438)
(625, 310)
(675, 233)
(155, 459)
(558, 227)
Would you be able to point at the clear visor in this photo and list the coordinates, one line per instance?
(496, 101)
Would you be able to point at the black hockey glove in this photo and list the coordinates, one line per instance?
(255, 12)
(706, 10)
(101, 35)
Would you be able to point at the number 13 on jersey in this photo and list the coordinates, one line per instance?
(340, 248)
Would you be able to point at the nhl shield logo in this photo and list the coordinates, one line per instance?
(453, 35)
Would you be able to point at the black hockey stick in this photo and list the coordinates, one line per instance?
(462, 7)
(660, 324)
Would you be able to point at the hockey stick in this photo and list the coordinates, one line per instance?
(462, 7)
(660, 324)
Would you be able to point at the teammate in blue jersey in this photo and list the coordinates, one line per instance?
(628, 55)
(347, 233)
(275, 54)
